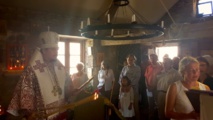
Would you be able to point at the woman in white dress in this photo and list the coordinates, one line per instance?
(178, 105)
(126, 99)
(106, 79)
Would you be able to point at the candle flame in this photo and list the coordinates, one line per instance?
(95, 96)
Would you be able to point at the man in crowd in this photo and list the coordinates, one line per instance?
(150, 75)
(204, 73)
(133, 72)
(44, 83)
(176, 61)
(167, 76)
(209, 58)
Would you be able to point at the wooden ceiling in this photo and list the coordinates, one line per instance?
(151, 10)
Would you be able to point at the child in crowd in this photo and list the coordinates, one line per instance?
(126, 98)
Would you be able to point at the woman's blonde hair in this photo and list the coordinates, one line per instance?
(80, 64)
(185, 62)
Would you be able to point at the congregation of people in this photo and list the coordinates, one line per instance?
(160, 85)
(166, 83)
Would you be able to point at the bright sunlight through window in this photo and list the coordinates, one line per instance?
(171, 51)
(205, 7)
(61, 52)
(74, 55)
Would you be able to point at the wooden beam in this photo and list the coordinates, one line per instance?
(147, 41)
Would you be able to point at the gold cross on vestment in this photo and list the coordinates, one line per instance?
(55, 90)
(59, 91)
(39, 66)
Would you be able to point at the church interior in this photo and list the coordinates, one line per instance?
(182, 23)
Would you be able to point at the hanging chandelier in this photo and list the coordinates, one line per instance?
(132, 30)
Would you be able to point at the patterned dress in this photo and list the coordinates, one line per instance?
(27, 95)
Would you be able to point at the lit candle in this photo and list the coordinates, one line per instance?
(108, 18)
(82, 24)
(88, 21)
(133, 18)
(95, 96)
(96, 32)
(162, 24)
(112, 32)
(128, 33)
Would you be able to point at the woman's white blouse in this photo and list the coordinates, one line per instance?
(105, 79)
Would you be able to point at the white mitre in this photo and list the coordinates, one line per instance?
(49, 39)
